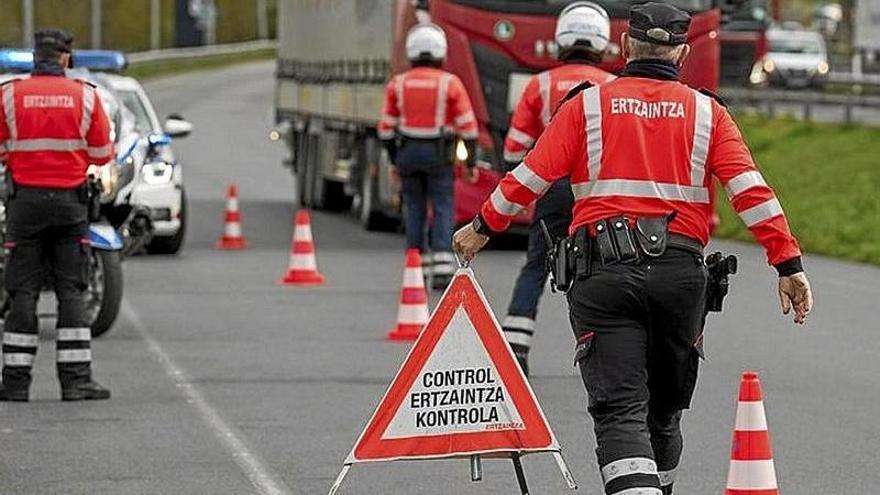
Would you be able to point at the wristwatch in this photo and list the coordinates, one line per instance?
(480, 226)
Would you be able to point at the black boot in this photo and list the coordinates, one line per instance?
(13, 395)
(522, 357)
(90, 390)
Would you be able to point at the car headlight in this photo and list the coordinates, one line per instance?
(157, 173)
(769, 66)
(461, 151)
(822, 68)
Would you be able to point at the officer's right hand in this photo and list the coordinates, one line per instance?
(795, 292)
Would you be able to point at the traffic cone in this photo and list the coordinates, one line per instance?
(303, 269)
(751, 461)
(412, 314)
(232, 237)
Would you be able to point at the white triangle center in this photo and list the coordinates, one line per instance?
(459, 390)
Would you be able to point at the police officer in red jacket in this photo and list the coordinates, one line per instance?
(51, 129)
(424, 109)
(582, 32)
(641, 152)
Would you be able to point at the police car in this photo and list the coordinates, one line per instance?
(146, 173)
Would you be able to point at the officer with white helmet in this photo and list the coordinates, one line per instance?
(425, 108)
(582, 32)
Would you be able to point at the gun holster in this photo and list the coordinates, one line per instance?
(90, 195)
(719, 269)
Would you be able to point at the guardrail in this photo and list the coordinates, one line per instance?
(199, 51)
(852, 78)
(773, 100)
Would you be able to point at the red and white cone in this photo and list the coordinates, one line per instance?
(412, 314)
(751, 460)
(303, 268)
(232, 238)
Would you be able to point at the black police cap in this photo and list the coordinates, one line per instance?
(659, 23)
(53, 39)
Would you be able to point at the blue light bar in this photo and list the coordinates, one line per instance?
(22, 60)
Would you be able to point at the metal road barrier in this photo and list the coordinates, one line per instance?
(199, 51)
(774, 101)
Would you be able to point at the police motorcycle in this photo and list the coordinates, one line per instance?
(117, 227)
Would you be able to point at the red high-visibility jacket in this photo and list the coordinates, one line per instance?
(425, 103)
(646, 147)
(51, 129)
(540, 98)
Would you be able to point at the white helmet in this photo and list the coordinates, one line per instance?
(583, 25)
(426, 42)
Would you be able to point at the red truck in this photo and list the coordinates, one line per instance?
(335, 56)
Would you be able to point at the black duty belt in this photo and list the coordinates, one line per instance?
(685, 243)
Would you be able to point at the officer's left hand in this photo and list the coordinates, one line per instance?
(467, 242)
(795, 293)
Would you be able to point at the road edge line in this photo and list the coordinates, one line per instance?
(260, 475)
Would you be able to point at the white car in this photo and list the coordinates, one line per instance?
(143, 142)
(795, 58)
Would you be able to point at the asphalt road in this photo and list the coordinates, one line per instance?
(226, 383)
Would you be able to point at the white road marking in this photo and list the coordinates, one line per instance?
(261, 476)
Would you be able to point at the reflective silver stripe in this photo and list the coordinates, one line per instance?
(18, 359)
(702, 135)
(520, 137)
(74, 356)
(389, 119)
(502, 205)
(20, 339)
(520, 322)
(442, 97)
(667, 477)
(9, 108)
(467, 118)
(47, 145)
(759, 213)
(593, 115)
(74, 334)
(518, 338)
(530, 179)
(420, 132)
(470, 134)
(743, 182)
(544, 87)
(639, 491)
(640, 189)
(87, 109)
(514, 156)
(443, 257)
(100, 151)
(626, 467)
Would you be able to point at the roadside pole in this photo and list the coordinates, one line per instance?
(262, 20)
(27, 23)
(155, 24)
(96, 24)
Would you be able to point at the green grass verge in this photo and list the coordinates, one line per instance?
(828, 179)
(156, 69)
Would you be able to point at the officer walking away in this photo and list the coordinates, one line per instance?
(641, 152)
(424, 108)
(582, 32)
(52, 128)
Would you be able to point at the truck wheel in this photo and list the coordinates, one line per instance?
(371, 219)
(105, 290)
(334, 197)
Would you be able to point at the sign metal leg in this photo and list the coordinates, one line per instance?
(520, 474)
(338, 482)
(476, 469)
(563, 467)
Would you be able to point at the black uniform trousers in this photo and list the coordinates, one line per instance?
(46, 241)
(636, 327)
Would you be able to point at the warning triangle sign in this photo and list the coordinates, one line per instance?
(459, 392)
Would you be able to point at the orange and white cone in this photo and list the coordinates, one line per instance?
(303, 268)
(412, 314)
(751, 460)
(232, 237)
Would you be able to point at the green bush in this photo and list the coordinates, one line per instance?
(828, 179)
